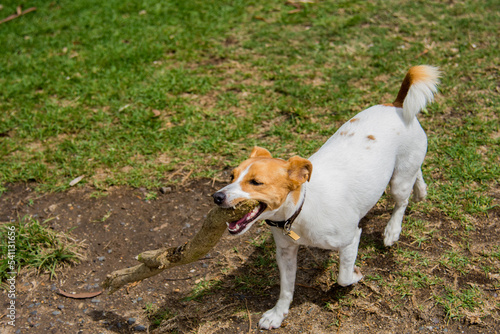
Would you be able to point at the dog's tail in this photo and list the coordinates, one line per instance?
(417, 90)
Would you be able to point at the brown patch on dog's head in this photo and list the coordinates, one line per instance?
(259, 152)
(370, 137)
(270, 180)
(299, 171)
(354, 120)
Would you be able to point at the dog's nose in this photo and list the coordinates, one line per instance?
(219, 197)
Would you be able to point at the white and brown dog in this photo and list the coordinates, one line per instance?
(325, 196)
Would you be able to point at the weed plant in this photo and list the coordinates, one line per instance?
(37, 247)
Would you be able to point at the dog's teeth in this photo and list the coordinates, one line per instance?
(253, 213)
(227, 223)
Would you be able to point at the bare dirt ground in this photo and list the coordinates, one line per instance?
(123, 223)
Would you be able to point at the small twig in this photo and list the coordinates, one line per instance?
(181, 279)
(107, 245)
(249, 317)
(187, 176)
(177, 172)
(131, 285)
(422, 53)
(219, 310)
(19, 13)
(308, 286)
(305, 268)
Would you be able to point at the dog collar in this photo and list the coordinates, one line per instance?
(286, 225)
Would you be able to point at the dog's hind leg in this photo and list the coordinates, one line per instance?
(348, 272)
(402, 183)
(420, 188)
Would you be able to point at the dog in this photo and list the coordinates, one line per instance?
(319, 201)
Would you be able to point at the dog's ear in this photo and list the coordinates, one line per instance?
(259, 152)
(299, 170)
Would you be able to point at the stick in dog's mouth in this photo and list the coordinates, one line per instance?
(244, 223)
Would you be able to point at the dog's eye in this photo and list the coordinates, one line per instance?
(232, 177)
(254, 182)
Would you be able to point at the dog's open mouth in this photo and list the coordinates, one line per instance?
(241, 225)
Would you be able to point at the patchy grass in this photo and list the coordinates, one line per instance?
(458, 303)
(157, 315)
(147, 93)
(202, 288)
(154, 89)
(36, 247)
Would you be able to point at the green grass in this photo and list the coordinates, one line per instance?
(36, 247)
(418, 230)
(141, 93)
(80, 93)
(157, 315)
(456, 303)
(203, 288)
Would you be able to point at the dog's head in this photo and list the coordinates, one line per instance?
(265, 179)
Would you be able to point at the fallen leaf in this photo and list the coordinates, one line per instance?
(82, 295)
(75, 181)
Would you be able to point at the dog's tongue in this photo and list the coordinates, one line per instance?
(233, 225)
(237, 226)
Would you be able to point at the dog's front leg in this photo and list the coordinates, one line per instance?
(287, 263)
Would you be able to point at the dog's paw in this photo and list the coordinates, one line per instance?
(272, 319)
(390, 236)
(419, 195)
(356, 277)
(419, 191)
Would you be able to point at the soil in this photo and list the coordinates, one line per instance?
(121, 223)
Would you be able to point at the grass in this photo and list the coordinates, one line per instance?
(156, 88)
(456, 303)
(36, 247)
(157, 315)
(203, 288)
(143, 93)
